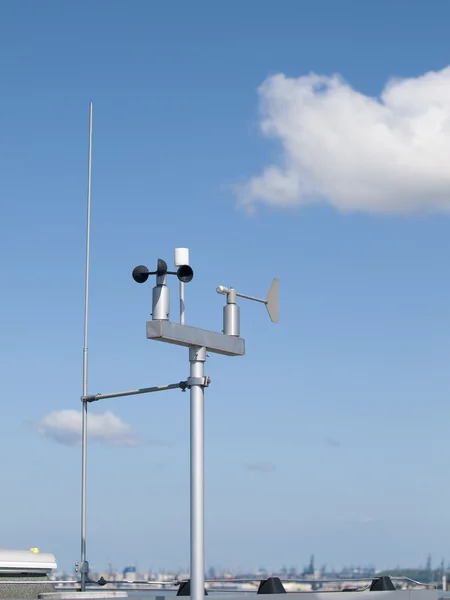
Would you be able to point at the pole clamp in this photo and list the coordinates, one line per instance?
(82, 567)
(202, 381)
(90, 398)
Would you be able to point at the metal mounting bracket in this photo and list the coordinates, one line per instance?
(203, 381)
(82, 567)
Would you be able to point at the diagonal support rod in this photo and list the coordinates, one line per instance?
(182, 385)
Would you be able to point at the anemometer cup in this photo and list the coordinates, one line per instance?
(140, 274)
(185, 273)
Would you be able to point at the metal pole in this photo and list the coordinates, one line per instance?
(83, 569)
(182, 302)
(197, 358)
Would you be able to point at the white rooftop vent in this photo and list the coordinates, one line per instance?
(26, 561)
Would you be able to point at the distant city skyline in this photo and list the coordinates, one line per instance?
(312, 568)
(310, 577)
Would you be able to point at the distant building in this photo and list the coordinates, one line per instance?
(129, 573)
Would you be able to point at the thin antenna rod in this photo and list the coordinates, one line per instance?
(83, 566)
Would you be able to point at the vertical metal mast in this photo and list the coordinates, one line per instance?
(83, 565)
(197, 358)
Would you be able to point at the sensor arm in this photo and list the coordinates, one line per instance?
(158, 388)
(271, 300)
(251, 298)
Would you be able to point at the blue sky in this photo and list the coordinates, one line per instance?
(331, 435)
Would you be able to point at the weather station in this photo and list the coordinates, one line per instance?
(199, 342)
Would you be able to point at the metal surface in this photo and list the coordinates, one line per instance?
(231, 320)
(161, 299)
(308, 580)
(203, 381)
(272, 300)
(231, 315)
(181, 303)
(158, 388)
(85, 365)
(250, 298)
(91, 594)
(184, 335)
(197, 358)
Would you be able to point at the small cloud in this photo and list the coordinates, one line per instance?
(261, 467)
(64, 427)
(333, 443)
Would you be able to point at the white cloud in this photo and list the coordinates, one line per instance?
(64, 427)
(388, 155)
(260, 467)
